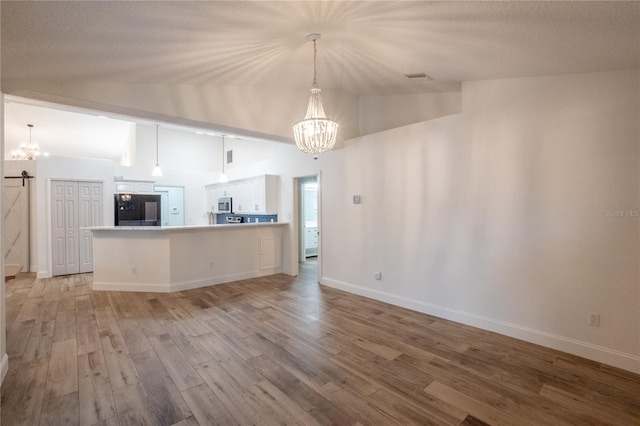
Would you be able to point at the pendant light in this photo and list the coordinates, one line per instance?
(223, 175)
(157, 171)
(26, 151)
(316, 133)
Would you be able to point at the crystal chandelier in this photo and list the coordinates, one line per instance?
(26, 151)
(316, 133)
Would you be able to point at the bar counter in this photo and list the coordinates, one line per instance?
(167, 259)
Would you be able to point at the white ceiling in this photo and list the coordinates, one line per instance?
(365, 49)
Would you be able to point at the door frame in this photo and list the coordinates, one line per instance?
(298, 240)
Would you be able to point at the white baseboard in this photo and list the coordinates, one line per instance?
(4, 367)
(587, 350)
(179, 286)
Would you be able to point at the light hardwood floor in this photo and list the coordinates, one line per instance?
(281, 350)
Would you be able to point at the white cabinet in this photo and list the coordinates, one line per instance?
(270, 251)
(268, 194)
(255, 195)
(311, 242)
(213, 193)
(135, 186)
(244, 196)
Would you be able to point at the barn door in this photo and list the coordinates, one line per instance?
(15, 220)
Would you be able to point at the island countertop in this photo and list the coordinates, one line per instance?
(187, 227)
(174, 258)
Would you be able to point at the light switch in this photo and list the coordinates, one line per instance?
(356, 199)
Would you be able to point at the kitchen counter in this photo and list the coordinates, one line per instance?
(167, 259)
(185, 228)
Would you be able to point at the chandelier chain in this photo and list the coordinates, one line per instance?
(315, 55)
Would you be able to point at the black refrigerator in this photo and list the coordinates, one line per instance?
(137, 209)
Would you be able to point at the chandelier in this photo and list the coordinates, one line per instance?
(26, 151)
(316, 133)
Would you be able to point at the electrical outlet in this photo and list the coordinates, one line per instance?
(210, 265)
(134, 270)
(377, 275)
(594, 319)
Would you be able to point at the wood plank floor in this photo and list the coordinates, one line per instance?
(281, 350)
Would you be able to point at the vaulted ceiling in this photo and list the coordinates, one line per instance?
(366, 48)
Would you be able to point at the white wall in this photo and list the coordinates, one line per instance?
(379, 113)
(177, 150)
(64, 168)
(497, 217)
(4, 359)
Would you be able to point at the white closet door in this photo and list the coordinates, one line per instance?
(90, 214)
(72, 252)
(58, 228)
(74, 205)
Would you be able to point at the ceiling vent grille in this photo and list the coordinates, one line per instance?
(418, 75)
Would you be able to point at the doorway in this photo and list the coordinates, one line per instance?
(308, 218)
(171, 205)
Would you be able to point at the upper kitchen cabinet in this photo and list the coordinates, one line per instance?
(254, 195)
(134, 186)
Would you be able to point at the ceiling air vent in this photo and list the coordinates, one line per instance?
(418, 75)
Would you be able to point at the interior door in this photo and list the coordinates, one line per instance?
(90, 214)
(74, 206)
(58, 228)
(72, 231)
(15, 205)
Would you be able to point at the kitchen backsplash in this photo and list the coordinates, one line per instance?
(248, 218)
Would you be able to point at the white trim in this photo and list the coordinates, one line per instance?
(4, 367)
(587, 350)
(179, 286)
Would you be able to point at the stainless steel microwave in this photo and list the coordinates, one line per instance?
(225, 205)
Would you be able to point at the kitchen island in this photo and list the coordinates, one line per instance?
(167, 259)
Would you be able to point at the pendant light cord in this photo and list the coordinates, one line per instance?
(315, 54)
(157, 145)
(222, 154)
